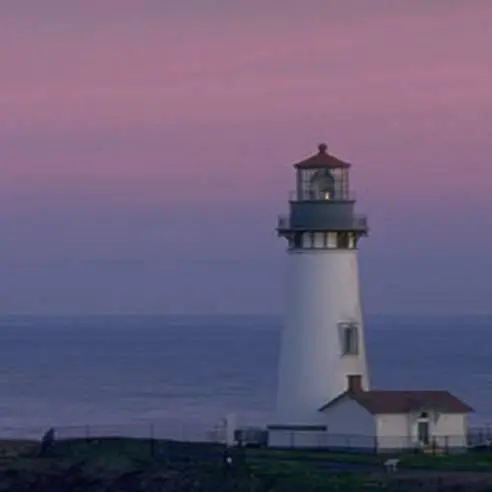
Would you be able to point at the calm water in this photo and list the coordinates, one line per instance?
(133, 370)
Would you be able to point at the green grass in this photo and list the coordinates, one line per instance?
(462, 462)
(113, 459)
(316, 455)
(457, 462)
(121, 450)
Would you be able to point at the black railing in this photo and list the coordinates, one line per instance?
(161, 437)
(357, 222)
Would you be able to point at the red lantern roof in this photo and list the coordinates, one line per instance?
(322, 160)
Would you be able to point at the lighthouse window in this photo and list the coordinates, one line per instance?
(331, 240)
(350, 342)
(319, 240)
(343, 240)
(297, 240)
(351, 241)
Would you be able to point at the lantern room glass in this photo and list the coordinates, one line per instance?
(323, 184)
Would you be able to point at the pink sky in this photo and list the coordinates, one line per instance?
(156, 138)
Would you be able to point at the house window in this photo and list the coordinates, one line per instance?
(350, 339)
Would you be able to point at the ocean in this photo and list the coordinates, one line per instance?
(187, 372)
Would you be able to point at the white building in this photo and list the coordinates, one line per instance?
(322, 343)
(323, 338)
(382, 421)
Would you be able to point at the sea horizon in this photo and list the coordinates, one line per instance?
(229, 314)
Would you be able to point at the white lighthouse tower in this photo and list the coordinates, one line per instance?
(322, 342)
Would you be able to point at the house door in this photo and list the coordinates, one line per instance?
(423, 432)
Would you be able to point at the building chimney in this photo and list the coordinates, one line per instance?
(355, 383)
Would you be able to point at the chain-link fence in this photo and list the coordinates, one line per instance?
(161, 436)
(172, 430)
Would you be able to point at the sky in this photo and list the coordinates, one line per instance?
(146, 148)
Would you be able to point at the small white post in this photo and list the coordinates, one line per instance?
(392, 465)
(230, 429)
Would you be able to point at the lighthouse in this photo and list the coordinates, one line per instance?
(322, 343)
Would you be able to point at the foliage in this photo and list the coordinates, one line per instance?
(142, 465)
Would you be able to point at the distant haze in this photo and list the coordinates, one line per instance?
(146, 149)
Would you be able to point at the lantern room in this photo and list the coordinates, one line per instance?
(323, 206)
(322, 177)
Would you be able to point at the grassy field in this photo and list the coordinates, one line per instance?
(144, 448)
(458, 462)
(112, 464)
(121, 464)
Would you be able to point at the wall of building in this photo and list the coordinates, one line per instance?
(322, 292)
(393, 431)
(399, 431)
(295, 439)
(349, 425)
(450, 430)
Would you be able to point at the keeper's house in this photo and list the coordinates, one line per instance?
(381, 420)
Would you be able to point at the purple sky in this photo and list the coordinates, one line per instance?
(146, 149)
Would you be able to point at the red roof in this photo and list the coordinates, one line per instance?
(378, 402)
(322, 159)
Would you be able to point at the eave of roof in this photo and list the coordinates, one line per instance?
(384, 402)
